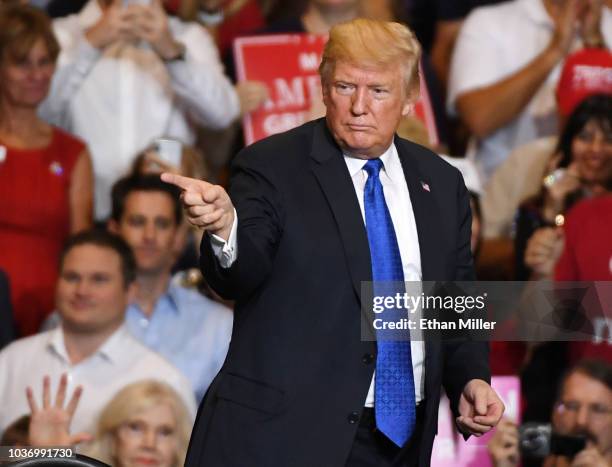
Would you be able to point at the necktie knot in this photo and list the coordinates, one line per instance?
(372, 167)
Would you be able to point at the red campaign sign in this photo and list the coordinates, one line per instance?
(288, 64)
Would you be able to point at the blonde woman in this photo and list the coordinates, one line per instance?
(145, 424)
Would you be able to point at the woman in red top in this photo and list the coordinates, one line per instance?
(45, 174)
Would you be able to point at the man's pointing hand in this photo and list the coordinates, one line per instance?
(207, 206)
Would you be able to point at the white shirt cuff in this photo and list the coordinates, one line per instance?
(226, 252)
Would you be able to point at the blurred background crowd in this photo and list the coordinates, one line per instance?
(109, 334)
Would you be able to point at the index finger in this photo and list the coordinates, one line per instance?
(46, 391)
(474, 427)
(61, 391)
(488, 420)
(184, 183)
(31, 400)
(573, 170)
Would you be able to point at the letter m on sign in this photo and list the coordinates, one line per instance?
(309, 61)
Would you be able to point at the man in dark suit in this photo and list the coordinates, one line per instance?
(311, 214)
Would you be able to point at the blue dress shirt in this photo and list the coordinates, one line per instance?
(188, 329)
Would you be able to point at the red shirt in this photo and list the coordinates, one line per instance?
(587, 256)
(34, 223)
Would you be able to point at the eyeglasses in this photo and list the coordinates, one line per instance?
(594, 410)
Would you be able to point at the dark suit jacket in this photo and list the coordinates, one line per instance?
(297, 369)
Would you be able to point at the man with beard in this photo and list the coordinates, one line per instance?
(583, 408)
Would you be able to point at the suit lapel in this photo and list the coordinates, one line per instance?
(333, 177)
(425, 214)
(432, 262)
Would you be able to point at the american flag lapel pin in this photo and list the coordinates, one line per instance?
(425, 186)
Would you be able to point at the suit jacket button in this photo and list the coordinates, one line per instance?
(367, 358)
(353, 418)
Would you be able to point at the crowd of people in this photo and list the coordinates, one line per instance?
(109, 334)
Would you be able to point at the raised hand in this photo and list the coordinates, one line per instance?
(152, 163)
(590, 457)
(50, 424)
(115, 24)
(480, 408)
(565, 17)
(543, 250)
(565, 182)
(590, 23)
(151, 24)
(207, 206)
(251, 95)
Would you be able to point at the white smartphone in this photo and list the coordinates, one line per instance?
(169, 150)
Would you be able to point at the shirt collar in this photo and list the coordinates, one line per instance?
(112, 349)
(170, 299)
(56, 344)
(174, 296)
(389, 158)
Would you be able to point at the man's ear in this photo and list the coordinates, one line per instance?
(409, 102)
(112, 226)
(408, 108)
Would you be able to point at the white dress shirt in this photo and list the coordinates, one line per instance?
(200, 337)
(120, 361)
(118, 100)
(398, 201)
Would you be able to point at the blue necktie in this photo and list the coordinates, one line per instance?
(394, 388)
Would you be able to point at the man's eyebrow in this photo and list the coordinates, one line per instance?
(67, 272)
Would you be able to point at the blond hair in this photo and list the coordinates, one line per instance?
(367, 42)
(130, 401)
